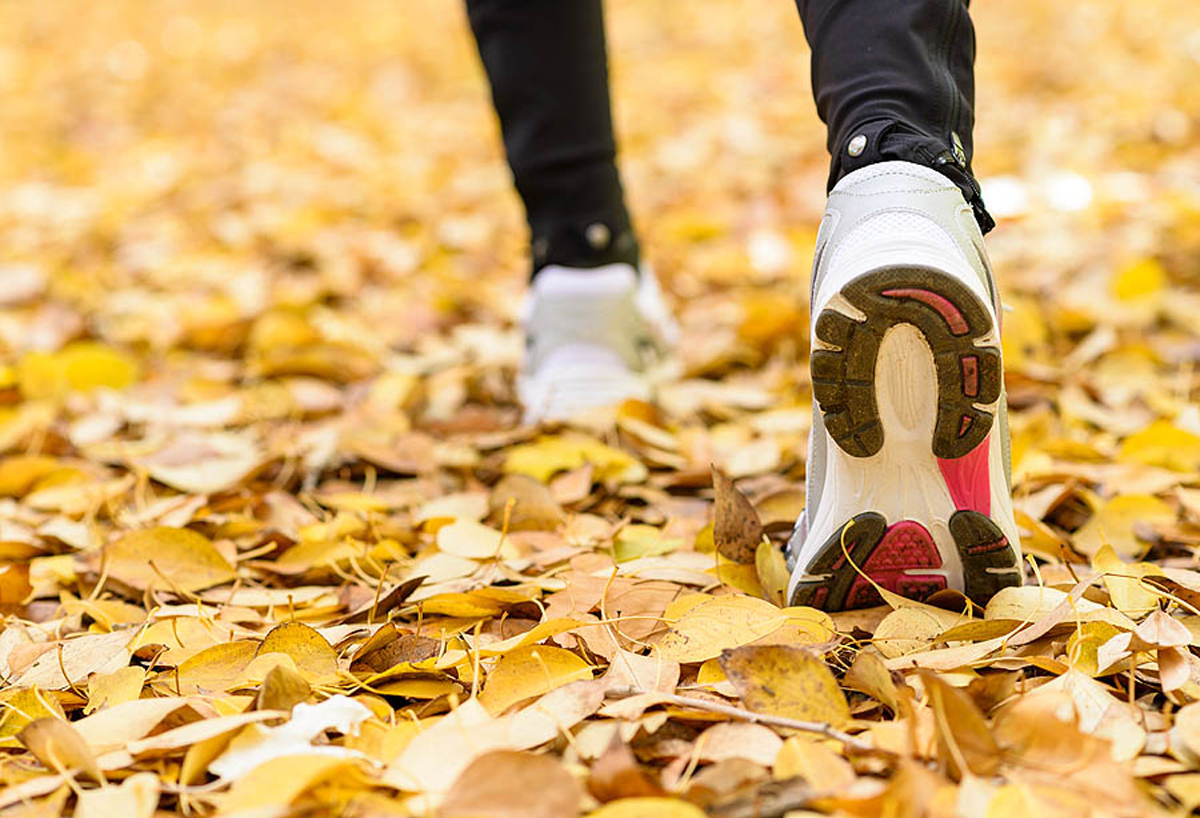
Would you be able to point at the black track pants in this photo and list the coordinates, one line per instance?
(893, 79)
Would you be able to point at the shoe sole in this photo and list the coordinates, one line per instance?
(947, 479)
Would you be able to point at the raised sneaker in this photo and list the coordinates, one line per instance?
(908, 476)
(592, 339)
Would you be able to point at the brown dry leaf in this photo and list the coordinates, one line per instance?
(647, 807)
(616, 774)
(737, 531)
(965, 743)
(782, 680)
(506, 784)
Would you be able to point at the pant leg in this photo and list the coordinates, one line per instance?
(547, 64)
(895, 79)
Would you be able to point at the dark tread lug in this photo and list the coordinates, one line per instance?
(982, 545)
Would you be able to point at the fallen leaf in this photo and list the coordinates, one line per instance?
(787, 681)
(506, 784)
(167, 558)
(737, 531)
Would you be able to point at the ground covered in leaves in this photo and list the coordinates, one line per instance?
(274, 542)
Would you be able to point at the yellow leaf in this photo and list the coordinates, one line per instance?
(1113, 523)
(1162, 444)
(19, 473)
(80, 366)
(530, 671)
(315, 659)
(1084, 645)
(551, 454)
(731, 621)
(19, 707)
(280, 781)
(1124, 582)
(820, 766)
(772, 572)
(870, 675)
(1143, 279)
(118, 687)
(213, 670)
(1025, 334)
(172, 559)
(781, 680)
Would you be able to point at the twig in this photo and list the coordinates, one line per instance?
(819, 727)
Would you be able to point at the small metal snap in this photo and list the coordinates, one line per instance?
(857, 145)
(598, 235)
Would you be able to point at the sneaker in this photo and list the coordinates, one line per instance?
(908, 475)
(591, 338)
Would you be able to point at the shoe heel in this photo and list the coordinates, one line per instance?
(903, 556)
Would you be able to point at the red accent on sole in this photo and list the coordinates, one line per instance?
(945, 307)
(906, 546)
(964, 425)
(968, 480)
(987, 547)
(970, 368)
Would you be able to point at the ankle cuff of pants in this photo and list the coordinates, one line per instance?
(890, 140)
(586, 244)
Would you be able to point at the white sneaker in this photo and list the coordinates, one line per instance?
(908, 483)
(592, 337)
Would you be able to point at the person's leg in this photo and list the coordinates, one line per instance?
(595, 322)
(907, 467)
(896, 81)
(547, 65)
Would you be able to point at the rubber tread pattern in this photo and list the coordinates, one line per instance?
(989, 563)
(844, 378)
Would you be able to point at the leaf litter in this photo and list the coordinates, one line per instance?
(273, 540)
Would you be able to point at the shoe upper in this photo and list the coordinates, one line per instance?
(591, 337)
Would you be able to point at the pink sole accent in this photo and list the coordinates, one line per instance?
(905, 546)
(970, 368)
(944, 306)
(968, 480)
